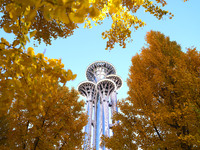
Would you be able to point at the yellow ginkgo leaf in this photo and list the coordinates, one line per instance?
(74, 76)
(30, 51)
(15, 43)
(76, 18)
(32, 33)
(93, 12)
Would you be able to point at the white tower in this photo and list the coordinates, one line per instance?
(101, 96)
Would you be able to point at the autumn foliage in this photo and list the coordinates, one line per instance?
(37, 110)
(162, 110)
(47, 19)
(56, 124)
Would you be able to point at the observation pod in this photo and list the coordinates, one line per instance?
(113, 95)
(105, 87)
(88, 89)
(99, 70)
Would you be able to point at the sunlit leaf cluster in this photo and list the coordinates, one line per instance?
(58, 18)
(25, 69)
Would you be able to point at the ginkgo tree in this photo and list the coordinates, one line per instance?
(162, 109)
(56, 124)
(47, 19)
(37, 110)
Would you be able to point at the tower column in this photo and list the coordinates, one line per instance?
(105, 87)
(101, 124)
(90, 122)
(113, 96)
(88, 90)
(94, 122)
(106, 116)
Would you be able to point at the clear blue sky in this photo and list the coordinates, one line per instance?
(86, 45)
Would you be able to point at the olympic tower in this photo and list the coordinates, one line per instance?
(100, 92)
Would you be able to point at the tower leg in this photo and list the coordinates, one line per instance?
(106, 116)
(101, 124)
(86, 130)
(94, 124)
(90, 124)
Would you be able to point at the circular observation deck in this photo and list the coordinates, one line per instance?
(106, 87)
(116, 79)
(87, 89)
(99, 70)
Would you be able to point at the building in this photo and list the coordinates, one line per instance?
(100, 91)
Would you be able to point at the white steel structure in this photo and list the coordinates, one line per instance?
(88, 90)
(113, 96)
(101, 97)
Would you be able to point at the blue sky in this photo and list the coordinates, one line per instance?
(86, 45)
